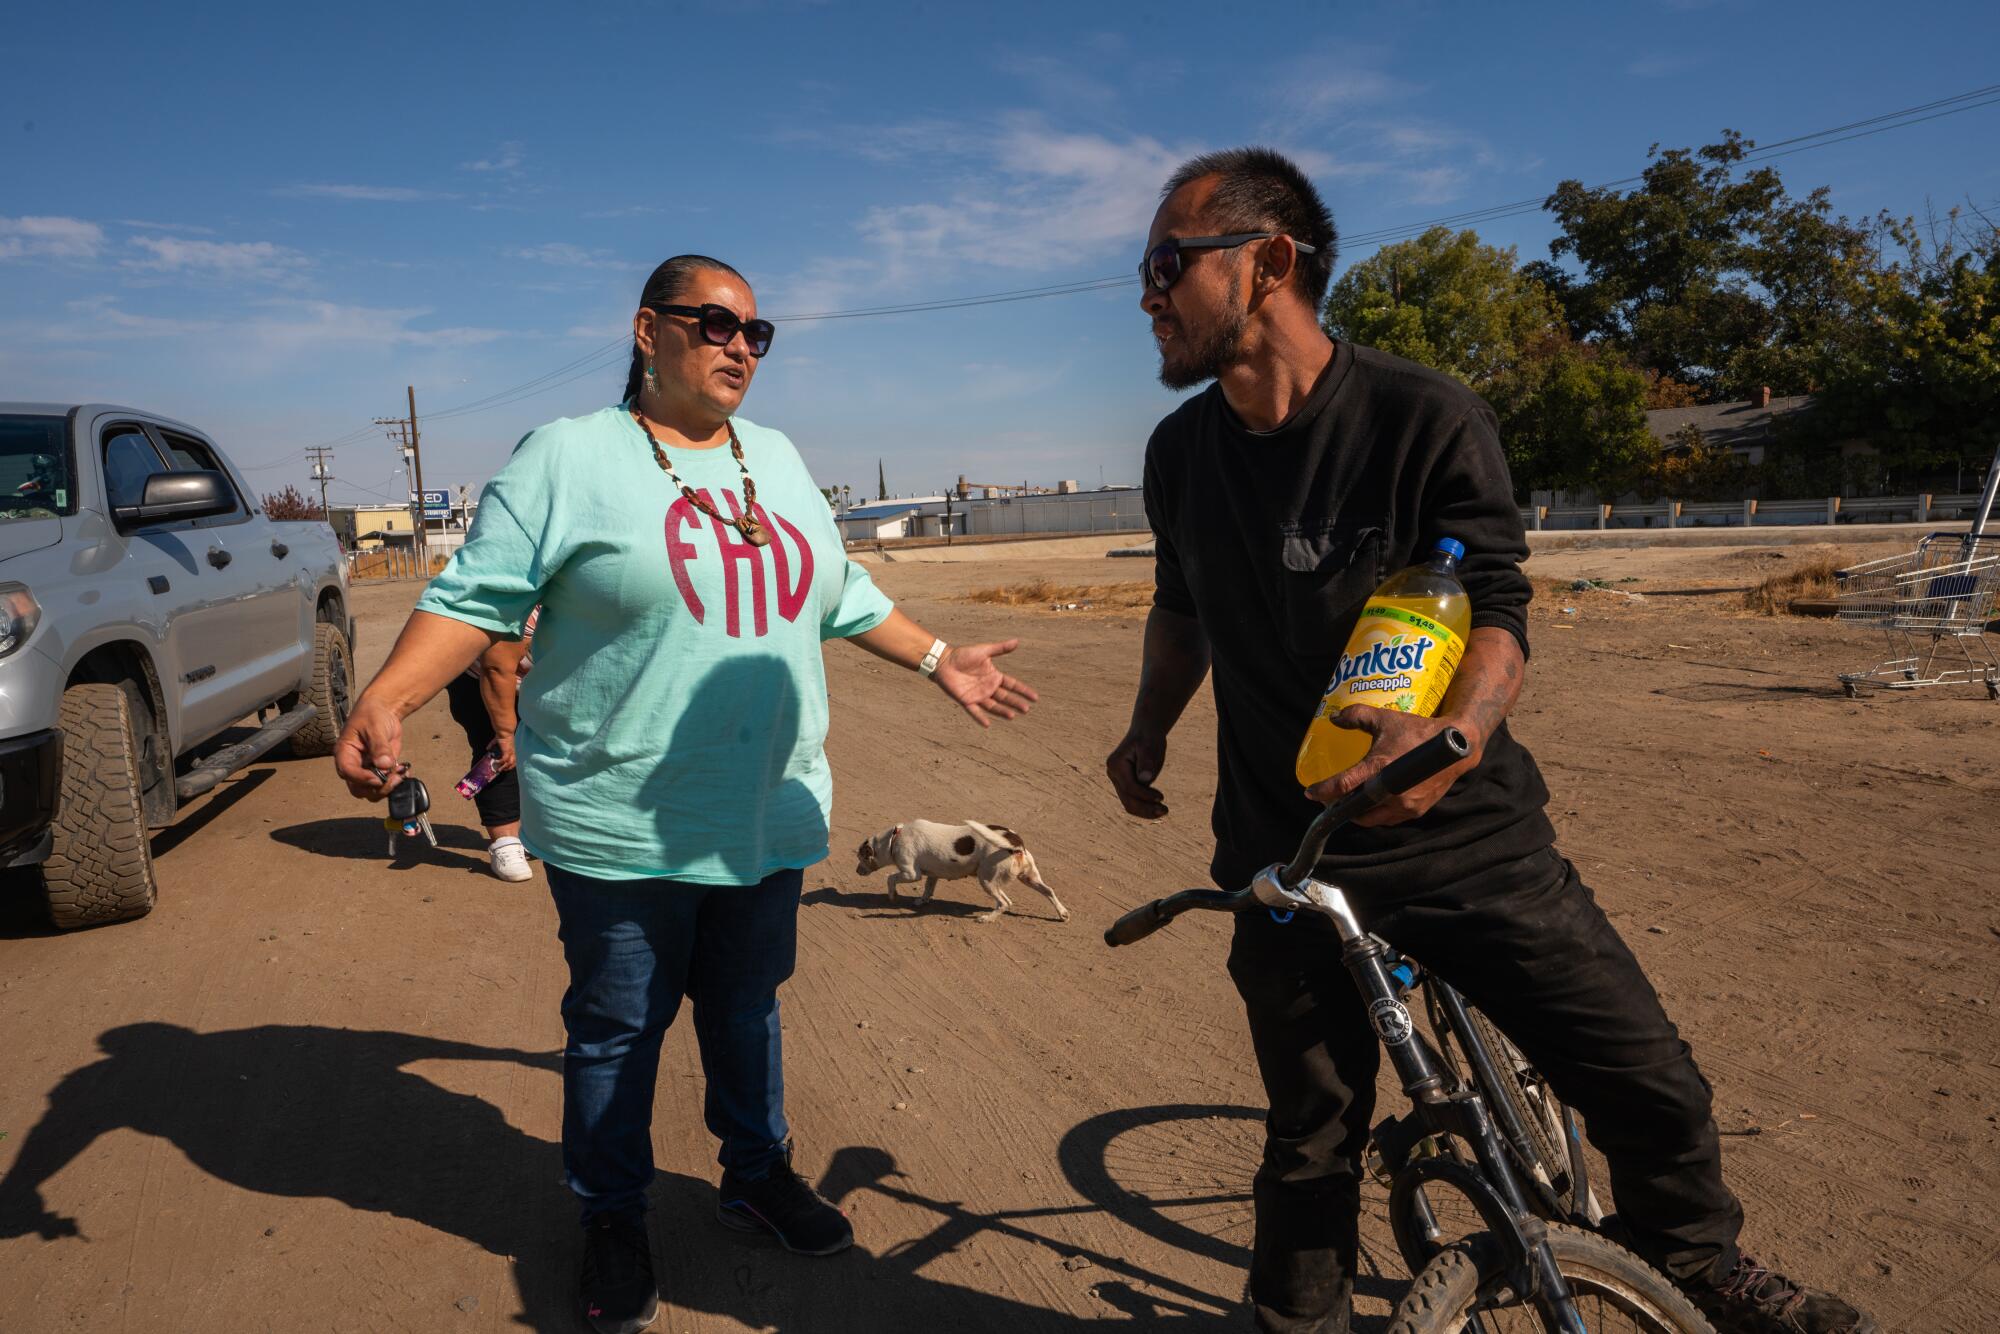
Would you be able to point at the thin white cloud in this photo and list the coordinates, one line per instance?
(1317, 89)
(1049, 199)
(302, 323)
(101, 318)
(186, 228)
(222, 259)
(506, 159)
(49, 238)
(274, 330)
(374, 194)
(1434, 185)
(567, 255)
(902, 141)
(1660, 65)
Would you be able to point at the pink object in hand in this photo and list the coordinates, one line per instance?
(482, 773)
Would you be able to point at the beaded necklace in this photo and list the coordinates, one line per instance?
(745, 523)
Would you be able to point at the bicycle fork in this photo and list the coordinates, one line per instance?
(1528, 1267)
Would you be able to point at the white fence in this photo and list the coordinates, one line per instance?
(1924, 508)
(1090, 512)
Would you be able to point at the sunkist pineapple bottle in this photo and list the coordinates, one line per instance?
(1401, 655)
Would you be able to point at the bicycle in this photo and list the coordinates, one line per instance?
(1533, 1253)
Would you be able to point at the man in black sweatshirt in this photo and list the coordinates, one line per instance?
(1279, 498)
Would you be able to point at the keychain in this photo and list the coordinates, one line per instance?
(409, 805)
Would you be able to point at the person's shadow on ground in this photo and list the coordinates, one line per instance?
(306, 1111)
(300, 1110)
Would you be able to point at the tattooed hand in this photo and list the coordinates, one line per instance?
(1481, 695)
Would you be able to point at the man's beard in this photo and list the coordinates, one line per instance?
(1186, 361)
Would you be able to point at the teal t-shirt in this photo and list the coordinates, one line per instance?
(674, 722)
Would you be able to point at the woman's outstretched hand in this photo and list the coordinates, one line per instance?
(970, 676)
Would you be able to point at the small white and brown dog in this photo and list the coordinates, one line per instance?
(930, 852)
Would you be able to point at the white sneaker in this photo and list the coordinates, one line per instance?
(510, 859)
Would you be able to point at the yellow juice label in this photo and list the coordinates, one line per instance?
(1395, 659)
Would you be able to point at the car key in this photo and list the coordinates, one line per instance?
(409, 807)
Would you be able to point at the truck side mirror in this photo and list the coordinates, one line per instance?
(172, 496)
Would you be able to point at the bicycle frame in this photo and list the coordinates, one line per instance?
(1449, 1007)
(1527, 1266)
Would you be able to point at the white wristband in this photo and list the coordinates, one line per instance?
(932, 658)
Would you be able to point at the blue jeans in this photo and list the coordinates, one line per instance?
(635, 948)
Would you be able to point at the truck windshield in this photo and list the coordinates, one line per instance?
(35, 481)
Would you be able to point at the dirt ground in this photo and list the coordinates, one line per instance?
(316, 1090)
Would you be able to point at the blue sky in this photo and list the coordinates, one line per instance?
(268, 220)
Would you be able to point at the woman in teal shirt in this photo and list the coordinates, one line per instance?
(670, 745)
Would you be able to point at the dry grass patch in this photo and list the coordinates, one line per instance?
(1809, 579)
(1052, 596)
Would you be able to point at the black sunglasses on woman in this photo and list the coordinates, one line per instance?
(719, 324)
(1162, 267)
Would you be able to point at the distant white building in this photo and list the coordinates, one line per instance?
(1108, 509)
(914, 516)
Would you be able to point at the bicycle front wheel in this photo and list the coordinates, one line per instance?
(1552, 1159)
(1615, 1292)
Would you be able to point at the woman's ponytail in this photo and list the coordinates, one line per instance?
(634, 376)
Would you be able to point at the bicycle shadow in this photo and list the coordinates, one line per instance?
(753, 1281)
(1119, 1161)
(303, 1111)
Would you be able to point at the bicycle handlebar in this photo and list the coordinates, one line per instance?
(1147, 918)
(1426, 762)
(1397, 777)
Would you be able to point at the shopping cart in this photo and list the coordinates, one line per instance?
(1934, 605)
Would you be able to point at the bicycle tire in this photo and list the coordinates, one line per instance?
(1554, 1153)
(1601, 1275)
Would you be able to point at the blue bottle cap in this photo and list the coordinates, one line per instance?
(1451, 547)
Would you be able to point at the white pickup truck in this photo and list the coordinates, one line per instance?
(147, 606)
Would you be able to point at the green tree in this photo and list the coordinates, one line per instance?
(1573, 415)
(1690, 468)
(1923, 384)
(1709, 273)
(1444, 300)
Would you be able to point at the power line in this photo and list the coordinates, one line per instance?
(373, 491)
(954, 303)
(608, 354)
(1799, 143)
(487, 400)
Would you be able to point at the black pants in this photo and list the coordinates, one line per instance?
(1529, 946)
(499, 802)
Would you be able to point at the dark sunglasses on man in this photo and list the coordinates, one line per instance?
(719, 324)
(1162, 267)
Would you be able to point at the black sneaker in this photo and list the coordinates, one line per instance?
(1756, 1300)
(783, 1205)
(617, 1293)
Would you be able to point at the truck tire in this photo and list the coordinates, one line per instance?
(100, 864)
(330, 691)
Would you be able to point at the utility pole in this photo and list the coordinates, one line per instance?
(403, 430)
(322, 472)
(417, 454)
